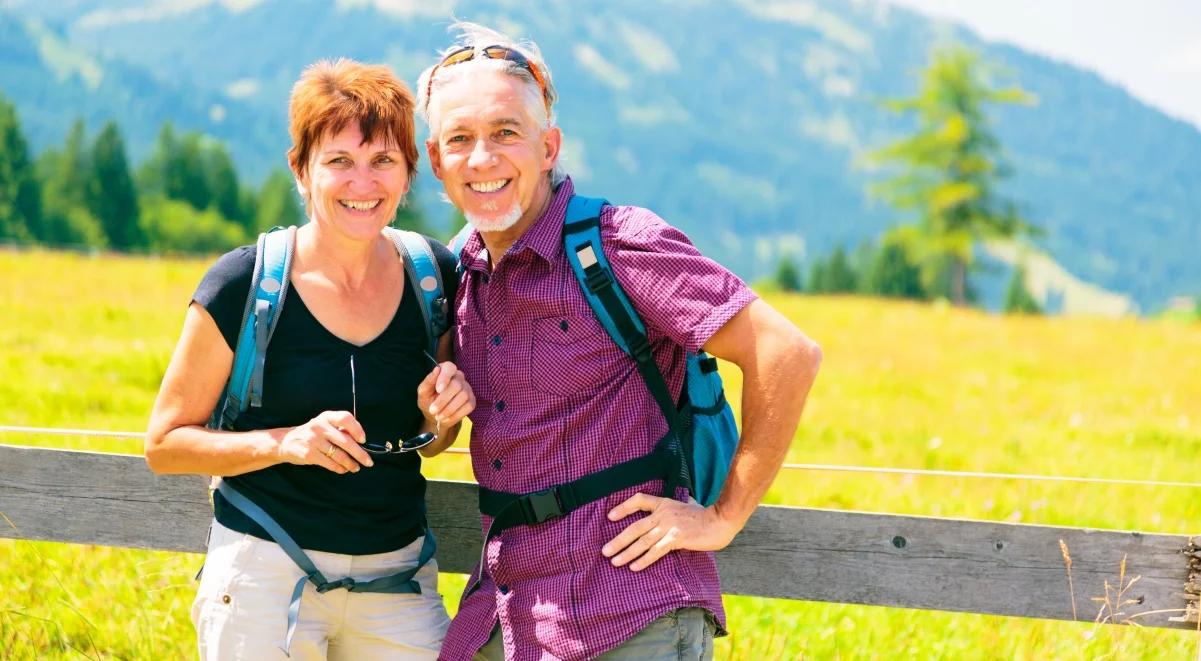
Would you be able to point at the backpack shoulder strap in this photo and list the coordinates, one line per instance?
(268, 288)
(582, 244)
(421, 268)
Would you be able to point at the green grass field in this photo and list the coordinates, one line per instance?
(85, 341)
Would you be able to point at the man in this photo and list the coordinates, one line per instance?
(631, 575)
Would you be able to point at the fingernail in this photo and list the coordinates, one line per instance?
(370, 462)
(433, 409)
(605, 551)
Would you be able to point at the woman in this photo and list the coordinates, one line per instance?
(345, 372)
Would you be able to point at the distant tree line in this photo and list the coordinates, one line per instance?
(887, 269)
(186, 197)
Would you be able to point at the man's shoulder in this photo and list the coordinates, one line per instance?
(626, 223)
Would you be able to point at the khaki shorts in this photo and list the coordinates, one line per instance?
(241, 608)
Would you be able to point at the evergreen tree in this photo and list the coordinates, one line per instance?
(177, 169)
(892, 272)
(839, 275)
(65, 177)
(1017, 296)
(278, 203)
(949, 169)
(222, 180)
(20, 193)
(112, 198)
(788, 276)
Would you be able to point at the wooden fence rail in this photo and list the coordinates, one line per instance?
(786, 552)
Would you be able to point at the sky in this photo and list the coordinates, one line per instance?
(1152, 48)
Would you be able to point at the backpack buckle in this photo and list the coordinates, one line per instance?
(347, 583)
(640, 350)
(542, 505)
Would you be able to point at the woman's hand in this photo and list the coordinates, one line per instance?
(444, 396)
(331, 440)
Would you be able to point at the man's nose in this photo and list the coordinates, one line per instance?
(481, 156)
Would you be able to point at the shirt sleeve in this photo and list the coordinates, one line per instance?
(675, 289)
(223, 291)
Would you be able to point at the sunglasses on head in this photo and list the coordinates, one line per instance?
(468, 53)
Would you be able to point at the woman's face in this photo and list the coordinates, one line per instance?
(354, 187)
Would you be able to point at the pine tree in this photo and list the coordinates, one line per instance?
(892, 273)
(1017, 297)
(840, 276)
(278, 203)
(20, 193)
(222, 180)
(950, 167)
(65, 174)
(788, 276)
(112, 198)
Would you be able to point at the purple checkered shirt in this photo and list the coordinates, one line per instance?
(557, 400)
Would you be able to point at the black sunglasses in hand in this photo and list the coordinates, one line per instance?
(394, 447)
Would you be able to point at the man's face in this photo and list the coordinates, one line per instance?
(490, 153)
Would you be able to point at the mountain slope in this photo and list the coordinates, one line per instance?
(745, 123)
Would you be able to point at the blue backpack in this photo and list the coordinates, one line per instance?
(702, 421)
(268, 289)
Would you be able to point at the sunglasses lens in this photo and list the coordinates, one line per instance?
(417, 442)
(461, 55)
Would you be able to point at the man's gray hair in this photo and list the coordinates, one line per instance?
(478, 37)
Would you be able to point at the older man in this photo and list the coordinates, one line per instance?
(631, 574)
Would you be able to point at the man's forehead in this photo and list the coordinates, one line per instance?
(484, 98)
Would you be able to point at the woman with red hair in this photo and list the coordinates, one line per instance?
(345, 378)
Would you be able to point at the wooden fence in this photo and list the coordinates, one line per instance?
(784, 552)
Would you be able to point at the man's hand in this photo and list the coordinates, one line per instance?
(670, 525)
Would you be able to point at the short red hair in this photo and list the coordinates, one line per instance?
(331, 95)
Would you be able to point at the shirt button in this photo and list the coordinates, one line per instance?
(504, 589)
(496, 340)
(225, 599)
(563, 325)
(496, 464)
(500, 406)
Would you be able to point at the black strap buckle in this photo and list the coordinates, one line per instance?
(640, 349)
(597, 279)
(347, 583)
(542, 505)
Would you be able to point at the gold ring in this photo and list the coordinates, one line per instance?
(329, 452)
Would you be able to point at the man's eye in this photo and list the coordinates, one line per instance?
(506, 133)
(457, 138)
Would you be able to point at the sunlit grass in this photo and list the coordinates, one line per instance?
(85, 341)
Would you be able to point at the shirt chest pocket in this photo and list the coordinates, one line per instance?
(572, 354)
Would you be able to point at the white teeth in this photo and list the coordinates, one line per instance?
(360, 206)
(488, 186)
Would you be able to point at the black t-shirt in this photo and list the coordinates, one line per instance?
(307, 371)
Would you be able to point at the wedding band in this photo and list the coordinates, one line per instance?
(329, 452)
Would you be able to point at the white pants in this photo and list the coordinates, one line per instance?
(241, 608)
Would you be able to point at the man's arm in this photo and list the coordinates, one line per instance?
(779, 364)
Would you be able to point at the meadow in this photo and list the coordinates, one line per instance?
(85, 340)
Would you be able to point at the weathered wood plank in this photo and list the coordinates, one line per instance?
(849, 557)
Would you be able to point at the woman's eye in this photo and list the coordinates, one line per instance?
(384, 160)
(339, 160)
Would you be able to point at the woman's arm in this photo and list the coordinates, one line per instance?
(178, 442)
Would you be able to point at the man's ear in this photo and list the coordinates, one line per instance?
(431, 148)
(552, 141)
